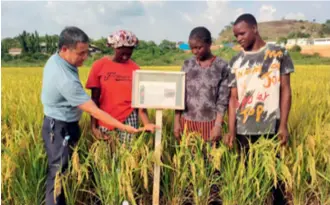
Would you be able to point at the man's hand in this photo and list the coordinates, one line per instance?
(283, 135)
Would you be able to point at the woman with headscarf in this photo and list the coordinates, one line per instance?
(110, 80)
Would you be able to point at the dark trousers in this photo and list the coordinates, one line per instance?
(278, 195)
(59, 152)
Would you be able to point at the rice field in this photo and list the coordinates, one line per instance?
(105, 172)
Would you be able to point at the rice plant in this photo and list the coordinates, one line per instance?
(192, 171)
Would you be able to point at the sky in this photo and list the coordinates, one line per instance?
(149, 20)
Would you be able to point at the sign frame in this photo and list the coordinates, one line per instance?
(135, 88)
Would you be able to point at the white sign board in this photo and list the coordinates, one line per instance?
(158, 89)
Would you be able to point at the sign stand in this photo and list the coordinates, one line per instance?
(158, 90)
(158, 147)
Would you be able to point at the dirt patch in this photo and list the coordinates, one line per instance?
(323, 50)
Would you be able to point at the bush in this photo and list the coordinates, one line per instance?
(282, 40)
(28, 59)
(39, 56)
(6, 57)
(295, 48)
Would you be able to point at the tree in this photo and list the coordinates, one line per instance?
(102, 45)
(167, 45)
(4, 49)
(23, 41)
(295, 48)
(298, 35)
(326, 27)
(321, 34)
(37, 47)
(282, 40)
(51, 43)
(55, 39)
(142, 45)
(4, 46)
(151, 44)
(153, 49)
(31, 43)
(47, 44)
(6, 57)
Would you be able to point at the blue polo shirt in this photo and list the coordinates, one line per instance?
(62, 91)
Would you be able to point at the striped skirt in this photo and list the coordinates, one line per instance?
(204, 128)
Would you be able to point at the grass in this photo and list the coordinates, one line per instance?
(110, 173)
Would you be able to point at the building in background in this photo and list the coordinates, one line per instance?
(321, 41)
(183, 46)
(308, 41)
(15, 51)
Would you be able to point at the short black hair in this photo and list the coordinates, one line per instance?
(70, 36)
(201, 33)
(247, 18)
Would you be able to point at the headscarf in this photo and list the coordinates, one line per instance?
(122, 38)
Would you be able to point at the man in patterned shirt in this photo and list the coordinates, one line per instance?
(260, 95)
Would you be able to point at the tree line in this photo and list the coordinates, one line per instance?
(36, 49)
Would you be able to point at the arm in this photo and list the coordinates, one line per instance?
(286, 68)
(233, 101)
(221, 103)
(91, 108)
(229, 138)
(177, 125)
(285, 105)
(232, 111)
(76, 96)
(222, 98)
(143, 114)
(177, 116)
(96, 92)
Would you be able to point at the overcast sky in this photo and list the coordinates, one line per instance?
(149, 20)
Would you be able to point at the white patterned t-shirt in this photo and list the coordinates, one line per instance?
(257, 78)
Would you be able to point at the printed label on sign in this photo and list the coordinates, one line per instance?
(157, 93)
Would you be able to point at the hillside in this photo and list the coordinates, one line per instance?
(273, 30)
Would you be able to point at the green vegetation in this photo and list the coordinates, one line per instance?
(37, 49)
(144, 58)
(295, 48)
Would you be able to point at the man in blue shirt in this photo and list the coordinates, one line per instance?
(64, 99)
